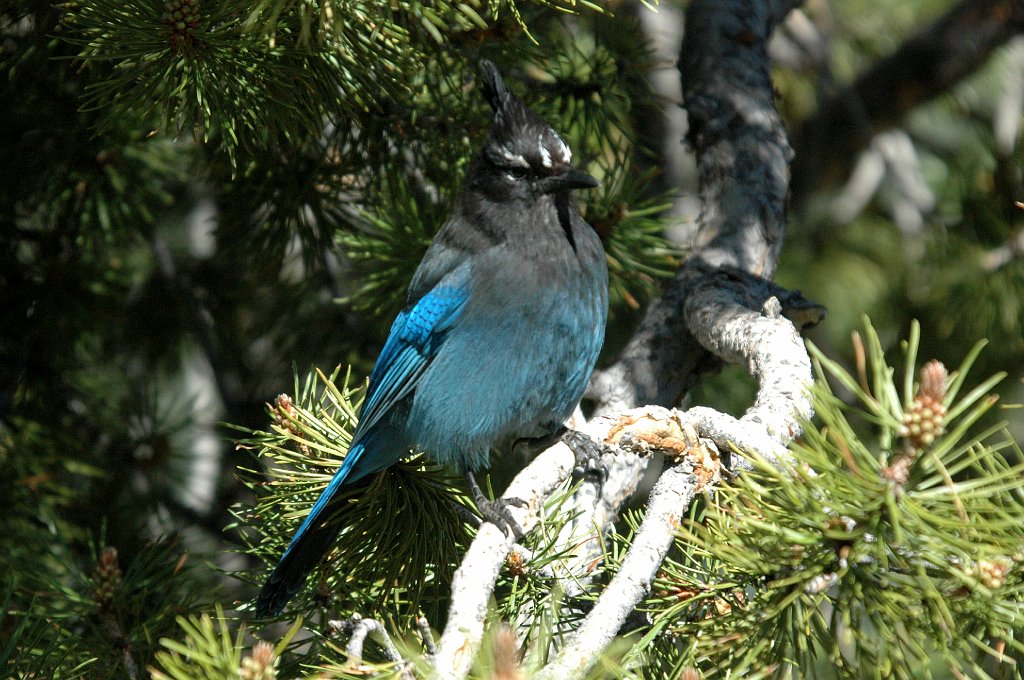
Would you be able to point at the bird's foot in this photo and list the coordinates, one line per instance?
(589, 464)
(497, 511)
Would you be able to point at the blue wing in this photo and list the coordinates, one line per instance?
(415, 337)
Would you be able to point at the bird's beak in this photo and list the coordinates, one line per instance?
(570, 179)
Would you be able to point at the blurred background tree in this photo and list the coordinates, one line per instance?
(194, 199)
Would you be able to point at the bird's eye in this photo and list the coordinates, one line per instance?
(517, 172)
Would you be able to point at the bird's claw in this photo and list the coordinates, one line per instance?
(497, 511)
(592, 470)
(588, 454)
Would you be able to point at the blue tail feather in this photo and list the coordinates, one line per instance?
(313, 539)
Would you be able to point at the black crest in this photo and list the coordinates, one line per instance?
(519, 138)
(495, 92)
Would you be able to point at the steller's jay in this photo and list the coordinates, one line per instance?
(502, 325)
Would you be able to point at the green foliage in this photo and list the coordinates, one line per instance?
(210, 651)
(639, 258)
(95, 618)
(391, 240)
(110, 186)
(867, 552)
(32, 647)
(201, 70)
(531, 589)
(959, 271)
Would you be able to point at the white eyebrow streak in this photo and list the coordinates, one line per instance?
(545, 155)
(566, 153)
(512, 158)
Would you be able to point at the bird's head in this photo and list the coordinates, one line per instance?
(523, 155)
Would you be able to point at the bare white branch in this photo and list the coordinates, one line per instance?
(371, 628)
(775, 355)
(474, 580)
(595, 505)
(669, 500)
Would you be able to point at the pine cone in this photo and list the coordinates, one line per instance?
(107, 577)
(925, 420)
(183, 17)
(992, 573)
(260, 664)
(516, 563)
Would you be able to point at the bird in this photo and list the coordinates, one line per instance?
(501, 328)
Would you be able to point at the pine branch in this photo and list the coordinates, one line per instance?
(379, 562)
(826, 556)
(210, 651)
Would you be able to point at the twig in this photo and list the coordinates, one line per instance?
(361, 629)
(373, 629)
(426, 635)
(595, 506)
